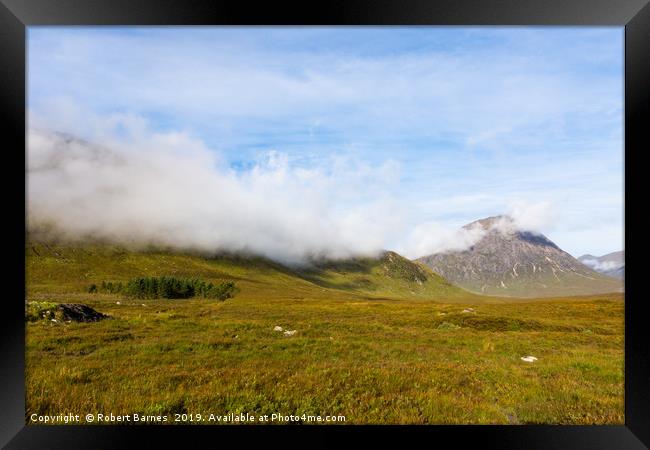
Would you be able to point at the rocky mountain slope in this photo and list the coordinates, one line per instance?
(507, 261)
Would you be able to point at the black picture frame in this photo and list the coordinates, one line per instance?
(16, 15)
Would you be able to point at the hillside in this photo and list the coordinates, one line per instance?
(56, 267)
(511, 262)
(389, 275)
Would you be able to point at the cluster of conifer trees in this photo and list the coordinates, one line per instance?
(167, 287)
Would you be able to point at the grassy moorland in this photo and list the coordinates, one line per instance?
(378, 341)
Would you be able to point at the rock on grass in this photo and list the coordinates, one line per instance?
(80, 313)
(68, 312)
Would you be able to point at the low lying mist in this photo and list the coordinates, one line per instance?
(602, 266)
(170, 190)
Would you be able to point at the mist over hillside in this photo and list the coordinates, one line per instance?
(170, 190)
(611, 264)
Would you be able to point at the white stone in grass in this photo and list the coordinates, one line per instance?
(118, 303)
(468, 310)
(529, 359)
(290, 333)
(277, 328)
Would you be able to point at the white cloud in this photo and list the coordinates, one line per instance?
(434, 237)
(533, 217)
(132, 184)
(168, 188)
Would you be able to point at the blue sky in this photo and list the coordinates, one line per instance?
(446, 125)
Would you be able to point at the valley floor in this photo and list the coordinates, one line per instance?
(372, 360)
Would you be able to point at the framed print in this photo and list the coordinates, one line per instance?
(361, 220)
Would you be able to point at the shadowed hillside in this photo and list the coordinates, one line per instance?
(58, 267)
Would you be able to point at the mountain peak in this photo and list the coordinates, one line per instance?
(504, 227)
(507, 260)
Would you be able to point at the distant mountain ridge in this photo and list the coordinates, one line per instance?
(611, 264)
(508, 261)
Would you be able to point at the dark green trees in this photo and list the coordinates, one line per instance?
(170, 287)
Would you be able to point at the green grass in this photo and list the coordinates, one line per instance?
(374, 352)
